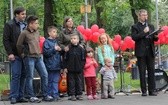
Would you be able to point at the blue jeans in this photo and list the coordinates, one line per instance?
(53, 79)
(18, 76)
(32, 63)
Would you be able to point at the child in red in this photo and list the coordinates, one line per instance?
(90, 74)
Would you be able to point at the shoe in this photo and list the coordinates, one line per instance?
(57, 99)
(96, 97)
(144, 94)
(48, 98)
(13, 100)
(104, 97)
(79, 97)
(153, 94)
(34, 100)
(72, 98)
(110, 96)
(89, 97)
(22, 100)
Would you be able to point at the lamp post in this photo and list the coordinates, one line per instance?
(86, 15)
(157, 26)
(11, 9)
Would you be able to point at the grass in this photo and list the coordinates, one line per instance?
(4, 82)
(128, 81)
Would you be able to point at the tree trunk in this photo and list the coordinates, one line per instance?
(135, 17)
(98, 14)
(48, 17)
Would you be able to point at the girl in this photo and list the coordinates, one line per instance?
(105, 50)
(90, 74)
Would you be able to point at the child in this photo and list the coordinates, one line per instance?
(109, 75)
(105, 50)
(90, 74)
(28, 47)
(52, 60)
(74, 64)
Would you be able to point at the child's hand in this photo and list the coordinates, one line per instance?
(66, 49)
(65, 70)
(58, 48)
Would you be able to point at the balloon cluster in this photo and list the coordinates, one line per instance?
(119, 44)
(91, 34)
(163, 36)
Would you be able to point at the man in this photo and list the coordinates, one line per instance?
(28, 47)
(145, 52)
(11, 33)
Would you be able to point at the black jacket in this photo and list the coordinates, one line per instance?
(75, 59)
(10, 36)
(141, 41)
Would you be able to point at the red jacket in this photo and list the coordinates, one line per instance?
(90, 68)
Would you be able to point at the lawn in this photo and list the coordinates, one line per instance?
(4, 82)
(128, 82)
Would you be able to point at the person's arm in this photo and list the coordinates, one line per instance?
(100, 56)
(102, 70)
(20, 45)
(135, 34)
(48, 51)
(6, 39)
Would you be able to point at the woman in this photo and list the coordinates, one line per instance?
(68, 29)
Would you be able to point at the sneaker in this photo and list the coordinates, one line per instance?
(110, 96)
(89, 97)
(72, 98)
(22, 100)
(13, 100)
(96, 97)
(79, 97)
(48, 98)
(35, 100)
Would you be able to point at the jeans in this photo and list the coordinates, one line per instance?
(32, 63)
(18, 76)
(53, 79)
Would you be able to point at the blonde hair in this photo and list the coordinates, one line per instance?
(107, 59)
(108, 42)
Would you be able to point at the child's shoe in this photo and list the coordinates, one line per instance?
(79, 97)
(89, 97)
(95, 97)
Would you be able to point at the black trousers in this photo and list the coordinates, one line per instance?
(75, 83)
(147, 63)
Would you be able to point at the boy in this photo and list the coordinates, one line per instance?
(52, 60)
(74, 63)
(28, 47)
(109, 75)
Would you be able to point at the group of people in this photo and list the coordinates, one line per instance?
(68, 53)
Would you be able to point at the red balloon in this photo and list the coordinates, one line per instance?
(95, 28)
(101, 30)
(127, 39)
(117, 38)
(123, 46)
(95, 37)
(42, 39)
(88, 33)
(81, 28)
(115, 45)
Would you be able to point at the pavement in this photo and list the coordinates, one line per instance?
(120, 99)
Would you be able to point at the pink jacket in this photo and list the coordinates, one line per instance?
(90, 67)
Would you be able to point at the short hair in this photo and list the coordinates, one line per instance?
(31, 18)
(50, 28)
(74, 34)
(18, 10)
(107, 59)
(142, 11)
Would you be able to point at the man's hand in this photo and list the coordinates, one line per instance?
(11, 57)
(146, 29)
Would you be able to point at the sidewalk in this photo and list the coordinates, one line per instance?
(132, 99)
